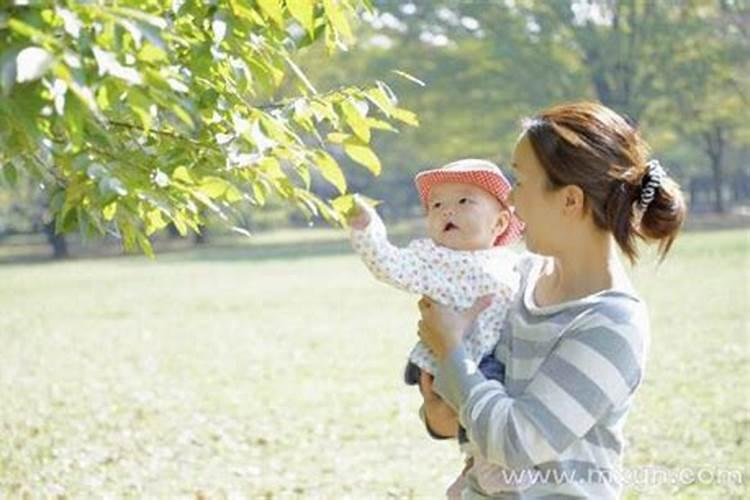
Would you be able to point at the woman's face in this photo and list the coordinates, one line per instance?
(536, 204)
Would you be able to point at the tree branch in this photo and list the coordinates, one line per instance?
(166, 133)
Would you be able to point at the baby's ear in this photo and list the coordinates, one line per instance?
(503, 220)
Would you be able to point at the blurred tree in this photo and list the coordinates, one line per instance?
(485, 64)
(133, 115)
(709, 85)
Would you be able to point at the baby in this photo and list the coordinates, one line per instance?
(469, 224)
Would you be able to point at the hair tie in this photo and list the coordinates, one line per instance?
(652, 180)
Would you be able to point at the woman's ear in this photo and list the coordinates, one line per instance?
(573, 200)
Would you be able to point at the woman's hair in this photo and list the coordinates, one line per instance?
(596, 149)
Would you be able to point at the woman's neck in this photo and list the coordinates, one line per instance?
(579, 271)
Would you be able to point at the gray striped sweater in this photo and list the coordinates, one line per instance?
(571, 372)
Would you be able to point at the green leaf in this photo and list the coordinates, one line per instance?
(140, 105)
(405, 116)
(274, 129)
(302, 11)
(30, 32)
(67, 222)
(272, 8)
(323, 110)
(56, 201)
(380, 99)
(213, 187)
(337, 17)
(260, 191)
(102, 97)
(154, 221)
(304, 174)
(409, 77)
(343, 204)
(338, 137)
(145, 245)
(205, 199)
(109, 211)
(150, 53)
(233, 194)
(239, 10)
(73, 117)
(181, 174)
(179, 224)
(272, 168)
(127, 231)
(362, 154)
(356, 121)
(381, 125)
(330, 215)
(330, 170)
(10, 173)
(140, 15)
(306, 201)
(183, 115)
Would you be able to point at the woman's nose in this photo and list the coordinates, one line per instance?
(448, 212)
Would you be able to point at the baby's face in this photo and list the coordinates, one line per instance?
(464, 217)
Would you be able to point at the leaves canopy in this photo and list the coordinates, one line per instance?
(136, 114)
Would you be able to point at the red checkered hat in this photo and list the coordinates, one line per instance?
(481, 173)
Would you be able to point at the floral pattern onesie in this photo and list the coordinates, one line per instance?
(451, 277)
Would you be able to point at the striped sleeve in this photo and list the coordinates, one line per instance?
(591, 371)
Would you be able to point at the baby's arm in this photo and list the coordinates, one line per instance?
(405, 268)
(360, 217)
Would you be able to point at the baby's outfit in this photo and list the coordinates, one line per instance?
(454, 278)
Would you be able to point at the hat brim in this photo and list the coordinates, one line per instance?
(494, 183)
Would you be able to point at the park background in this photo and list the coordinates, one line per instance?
(267, 363)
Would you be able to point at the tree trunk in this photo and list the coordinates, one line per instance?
(715, 151)
(57, 241)
(718, 184)
(201, 238)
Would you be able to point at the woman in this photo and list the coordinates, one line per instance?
(575, 342)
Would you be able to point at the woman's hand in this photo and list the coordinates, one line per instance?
(440, 418)
(442, 328)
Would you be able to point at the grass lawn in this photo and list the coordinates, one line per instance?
(273, 370)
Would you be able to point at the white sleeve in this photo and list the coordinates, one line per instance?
(408, 269)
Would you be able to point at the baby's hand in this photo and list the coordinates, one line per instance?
(359, 216)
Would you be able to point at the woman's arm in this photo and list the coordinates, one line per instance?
(592, 370)
(439, 418)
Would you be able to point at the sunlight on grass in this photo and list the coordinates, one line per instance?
(211, 374)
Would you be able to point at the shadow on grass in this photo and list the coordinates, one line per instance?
(170, 252)
(260, 252)
(271, 251)
(33, 249)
